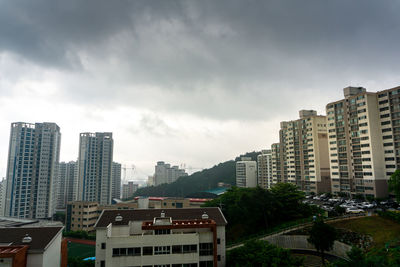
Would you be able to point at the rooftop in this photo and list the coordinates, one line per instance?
(41, 236)
(108, 216)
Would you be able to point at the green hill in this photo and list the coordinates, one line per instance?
(198, 181)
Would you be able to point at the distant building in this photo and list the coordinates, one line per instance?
(68, 183)
(35, 246)
(264, 165)
(95, 167)
(156, 237)
(116, 180)
(3, 186)
(150, 180)
(279, 166)
(165, 174)
(246, 173)
(32, 170)
(128, 189)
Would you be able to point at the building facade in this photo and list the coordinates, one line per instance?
(246, 173)
(32, 247)
(305, 152)
(3, 187)
(68, 183)
(170, 237)
(264, 169)
(165, 174)
(95, 167)
(32, 170)
(364, 140)
(128, 189)
(116, 180)
(279, 165)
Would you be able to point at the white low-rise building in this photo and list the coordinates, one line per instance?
(31, 246)
(192, 237)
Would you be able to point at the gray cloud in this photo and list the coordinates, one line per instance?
(217, 59)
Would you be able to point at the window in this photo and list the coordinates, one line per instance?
(134, 252)
(147, 251)
(102, 263)
(162, 231)
(103, 245)
(206, 264)
(206, 249)
(162, 250)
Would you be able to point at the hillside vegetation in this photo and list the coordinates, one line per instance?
(198, 181)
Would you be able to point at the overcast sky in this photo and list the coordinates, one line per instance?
(186, 82)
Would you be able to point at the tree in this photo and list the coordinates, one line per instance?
(394, 184)
(261, 253)
(322, 236)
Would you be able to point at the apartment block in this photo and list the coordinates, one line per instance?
(246, 172)
(303, 151)
(264, 171)
(364, 140)
(279, 165)
(32, 170)
(165, 174)
(95, 167)
(128, 189)
(170, 237)
(3, 187)
(67, 183)
(116, 180)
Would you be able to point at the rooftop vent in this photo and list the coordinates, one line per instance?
(162, 214)
(118, 218)
(204, 216)
(27, 239)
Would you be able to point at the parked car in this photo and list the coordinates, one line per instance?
(354, 210)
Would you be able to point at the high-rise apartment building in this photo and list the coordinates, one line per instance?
(68, 183)
(302, 157)
(364, 140)
(3, 186)
(165, 174)
(95, 167)
(116, 180)
(279, 165)
(32, 170)
(128, 189)
(264, 165)
(246, 172)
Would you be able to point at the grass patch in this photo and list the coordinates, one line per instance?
(382, 230)
(80, 250)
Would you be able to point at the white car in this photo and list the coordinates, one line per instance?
(354, 210)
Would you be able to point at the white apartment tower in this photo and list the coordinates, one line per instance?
(32, 170)
(246, 172)
(364, 140)
(116, 180)
(264, 165)
(95, 167)
(68, 183)
(302, 154)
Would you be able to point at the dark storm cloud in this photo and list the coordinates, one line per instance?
(222, 59)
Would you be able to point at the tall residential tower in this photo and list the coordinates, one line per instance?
(302, 157)
(95, 167)
(68, 183)
(364, 140)
(32, 170)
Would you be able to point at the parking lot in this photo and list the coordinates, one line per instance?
(331, 204)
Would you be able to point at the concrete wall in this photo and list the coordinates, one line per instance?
(300, 242)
